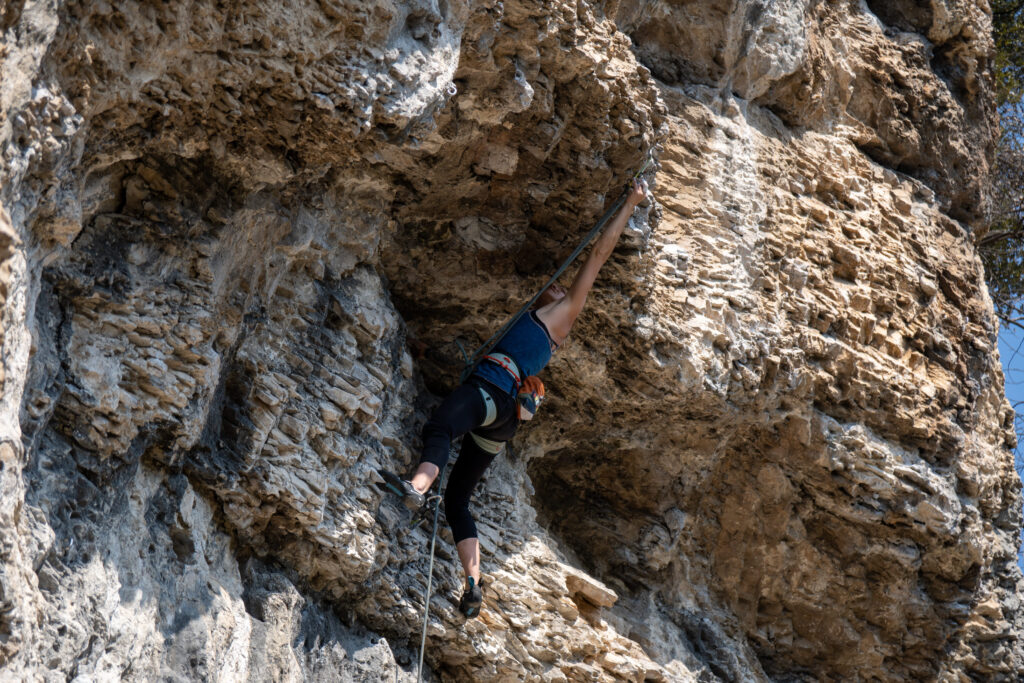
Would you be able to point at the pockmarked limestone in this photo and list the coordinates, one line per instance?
(241, 244)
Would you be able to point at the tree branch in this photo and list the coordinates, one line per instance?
(1010, 321)
(993, 237)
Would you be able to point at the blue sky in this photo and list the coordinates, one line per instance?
(1011, 353)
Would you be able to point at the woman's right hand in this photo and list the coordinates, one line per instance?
(638, 193)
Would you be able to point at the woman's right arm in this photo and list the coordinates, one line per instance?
(559, 316)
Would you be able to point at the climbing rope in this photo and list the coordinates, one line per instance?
(474, 360)
(430, 571)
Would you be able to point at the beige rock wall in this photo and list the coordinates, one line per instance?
(777, 446)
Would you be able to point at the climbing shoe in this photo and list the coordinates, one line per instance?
(412, 498)
(471, 600)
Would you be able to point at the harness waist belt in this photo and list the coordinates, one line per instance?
(489, 445)
(505, 361)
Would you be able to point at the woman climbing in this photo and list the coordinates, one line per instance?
(484, 406)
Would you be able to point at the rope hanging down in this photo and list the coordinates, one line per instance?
(473, 360)
(430, 573)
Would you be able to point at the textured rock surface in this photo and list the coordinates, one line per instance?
(777, 445)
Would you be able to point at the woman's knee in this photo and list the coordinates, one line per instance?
(459, 518)
(463, 529)
(456, 501)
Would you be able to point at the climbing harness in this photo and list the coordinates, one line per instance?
(481, 353)
(508, 364)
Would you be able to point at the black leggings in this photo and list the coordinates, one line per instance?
(462, 412)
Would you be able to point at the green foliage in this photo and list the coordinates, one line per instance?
(1008, 33)
(1002, 248)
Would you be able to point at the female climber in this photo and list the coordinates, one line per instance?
(484, 406)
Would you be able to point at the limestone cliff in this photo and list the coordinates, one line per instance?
(777, 445)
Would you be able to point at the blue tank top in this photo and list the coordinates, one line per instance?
(529, 345)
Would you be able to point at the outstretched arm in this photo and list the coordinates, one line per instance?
(560, 315)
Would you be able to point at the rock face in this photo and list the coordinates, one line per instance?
(777, 445)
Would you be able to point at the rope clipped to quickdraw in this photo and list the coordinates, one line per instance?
(475, 359)
(465, 356)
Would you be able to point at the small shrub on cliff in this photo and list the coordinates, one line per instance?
(1002, 248)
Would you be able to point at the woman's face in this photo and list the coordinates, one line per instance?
(552, 294)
